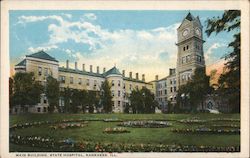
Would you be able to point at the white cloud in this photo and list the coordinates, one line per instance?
(67, 15)
(44, 48)
(90, 16)
(209, 54)
(132, 50)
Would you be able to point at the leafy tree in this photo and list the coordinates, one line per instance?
(66, 95)
(229, 81)
(142, 101)
(26, 91)
(52, 93)
(93, 100)
(76, 98)
(194, 92)
(106, 97)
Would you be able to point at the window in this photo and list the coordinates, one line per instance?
(119, 93)
(119, 103)
(174, 89)
(113, 93)
(113, 103)
(171, 89)
(184, 48)
(39, 71)
(188, 58)
(187, 47)
(119, 83)
(79, 81)
(170, 81)
(62, 79)
(130, 87)
(183, 60)
(198, 58)
(95, 83)
(113, 83)
(165, 84)
(165, 91)
(71, 80)
(46, 72)
(44, 109)
(87, 83)
(124, 87)
(174, 81)
(45, 101)
(38, 109)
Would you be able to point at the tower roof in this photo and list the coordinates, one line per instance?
(113, 71)
(42, 55)
(190, 17)
(22, 63)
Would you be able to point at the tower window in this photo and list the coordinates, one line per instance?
(113, 83)
(39, 71)
(184, 48)
(71, 80)
(187, 47)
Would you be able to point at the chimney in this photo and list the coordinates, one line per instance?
(75, 65)
(137, 76)
(130, 75)
(143, 77)
(123, 73)
(90, 68)
(104, 70)
(97, 69)
(156, 77)
(83, 67)
(171, 71)
(67, 64)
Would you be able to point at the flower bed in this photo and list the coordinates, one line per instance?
(112, 120)
(225, 119)
(115, 130)
(145, 124)
(69, 125)
(84, 146)
(207, 131)
(191, 121)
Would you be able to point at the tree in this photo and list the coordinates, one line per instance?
(194, 92)
(229, 81)
(26, 91)
(93, 100)
(66, 95)
(52, 93)
(142, 101)
(106, 97)
(76, 100)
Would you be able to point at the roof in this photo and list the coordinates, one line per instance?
(42, 55)
(62, 69)
(22, 63)
(113, 71)
(190, 17)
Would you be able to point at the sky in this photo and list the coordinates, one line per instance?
(135, 40)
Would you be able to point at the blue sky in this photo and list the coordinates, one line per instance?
(137, 41)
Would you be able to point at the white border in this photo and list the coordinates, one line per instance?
(129, 5)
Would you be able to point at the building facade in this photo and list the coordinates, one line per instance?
(43, 65)
(190, 55)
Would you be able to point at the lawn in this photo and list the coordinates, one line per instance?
(93, 132)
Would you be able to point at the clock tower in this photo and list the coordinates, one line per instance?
(190, 48)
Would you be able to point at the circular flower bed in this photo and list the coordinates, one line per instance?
(205, 130)
(190, 121)
(112, 120)
(145, 124)
(69, 125)
(84, 146)
(115, 130)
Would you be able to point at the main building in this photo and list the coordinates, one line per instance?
(189, 57)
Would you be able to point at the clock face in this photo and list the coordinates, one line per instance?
(198, 31)
(185, 32)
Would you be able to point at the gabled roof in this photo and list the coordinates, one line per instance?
(113, 71)
(22, 63)
(189, 17)
(42, 55)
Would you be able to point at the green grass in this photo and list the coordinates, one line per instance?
(93, 132)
